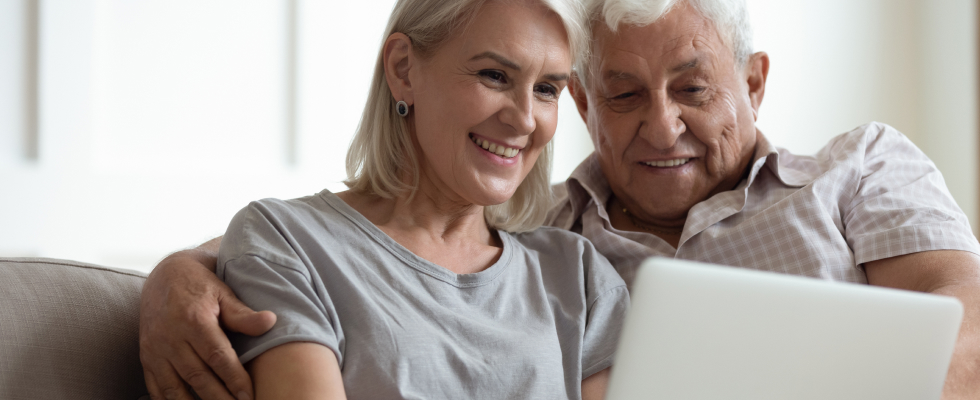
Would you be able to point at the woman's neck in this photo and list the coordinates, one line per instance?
(444, 230)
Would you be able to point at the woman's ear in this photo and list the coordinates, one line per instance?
(399, 59)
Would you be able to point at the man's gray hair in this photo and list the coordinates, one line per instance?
(730, 18)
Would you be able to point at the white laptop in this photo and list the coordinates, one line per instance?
(708, 332)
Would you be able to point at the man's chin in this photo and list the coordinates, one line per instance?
(668, 213)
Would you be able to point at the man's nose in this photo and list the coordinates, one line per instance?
(519, 115)
(663, 124)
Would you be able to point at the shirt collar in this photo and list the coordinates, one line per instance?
(780, 162)
(587, 183)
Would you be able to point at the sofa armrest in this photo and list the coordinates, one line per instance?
(69, 330)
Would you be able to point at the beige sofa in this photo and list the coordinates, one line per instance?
(69, 330)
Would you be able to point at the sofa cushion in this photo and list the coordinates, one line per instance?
(69, 330)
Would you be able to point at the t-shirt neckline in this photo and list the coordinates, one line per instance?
(413, 260)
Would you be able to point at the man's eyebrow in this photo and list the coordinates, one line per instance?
(620, 76)
(686, 66)
(498, 58)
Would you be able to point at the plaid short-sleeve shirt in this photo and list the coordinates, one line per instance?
(869, 194)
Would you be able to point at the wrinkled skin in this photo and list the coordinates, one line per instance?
(647, 100)
(670, 90)
(182, 310)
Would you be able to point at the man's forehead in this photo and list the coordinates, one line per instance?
(616, 60)
(680, 40)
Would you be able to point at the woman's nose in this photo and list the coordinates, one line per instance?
(519, 115)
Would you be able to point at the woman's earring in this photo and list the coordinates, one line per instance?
(402, 108)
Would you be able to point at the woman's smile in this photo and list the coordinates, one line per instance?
(505, 154)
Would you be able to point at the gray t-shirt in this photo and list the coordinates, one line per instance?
(546, 315)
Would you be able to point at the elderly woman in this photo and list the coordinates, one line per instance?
(429, 277)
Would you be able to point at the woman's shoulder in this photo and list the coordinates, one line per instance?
(297, 212)
(279, 226)
(562, 253)
(561, 244)
(548, 237)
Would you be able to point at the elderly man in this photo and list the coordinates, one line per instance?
(670, 97)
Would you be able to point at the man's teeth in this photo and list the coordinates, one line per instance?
(668, 163)
(500, 150)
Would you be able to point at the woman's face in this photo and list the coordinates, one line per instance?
(486, 101)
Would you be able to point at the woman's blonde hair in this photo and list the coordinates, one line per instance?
(382, 151)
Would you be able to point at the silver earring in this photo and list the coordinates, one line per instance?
(402, 108)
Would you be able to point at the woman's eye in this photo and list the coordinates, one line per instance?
(693, 89)
(624, 96)
(493, 75)
(547, 90)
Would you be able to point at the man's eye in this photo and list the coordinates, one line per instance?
(693, 89)
(624, 96)
(493, 75)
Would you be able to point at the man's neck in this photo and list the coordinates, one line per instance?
(621, 219)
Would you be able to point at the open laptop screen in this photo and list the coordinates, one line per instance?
(701, 331)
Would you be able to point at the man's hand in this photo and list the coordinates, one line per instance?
(183, 307)
(950, 273)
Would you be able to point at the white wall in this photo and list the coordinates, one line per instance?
(12, 43)
(160, 119)
(947, 101)
(837, 64)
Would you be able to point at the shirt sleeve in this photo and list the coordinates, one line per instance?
(602, 330)
(259, 263)
(608, 300)
(901, 205)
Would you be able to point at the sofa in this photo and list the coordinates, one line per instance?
(69, 330)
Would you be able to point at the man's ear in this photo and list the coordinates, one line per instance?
(399, 59)
(756, 71)
(577, 90)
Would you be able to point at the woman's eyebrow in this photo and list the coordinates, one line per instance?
(513, 65)
(498, 58)
(556, 77)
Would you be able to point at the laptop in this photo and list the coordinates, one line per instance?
(709, 332)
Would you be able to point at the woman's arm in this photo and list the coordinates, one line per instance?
(297, 370)
(594, 387)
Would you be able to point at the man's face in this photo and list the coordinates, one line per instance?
(672, 120)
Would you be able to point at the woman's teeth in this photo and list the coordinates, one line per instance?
(500, 150)
(668, 163)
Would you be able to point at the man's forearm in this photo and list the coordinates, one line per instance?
(948, 273)
(182, 311)
(963, 379)
(206, 254)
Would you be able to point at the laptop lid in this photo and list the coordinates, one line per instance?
(702, 331)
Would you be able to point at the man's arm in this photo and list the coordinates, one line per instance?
(950, 273)
(182, 309)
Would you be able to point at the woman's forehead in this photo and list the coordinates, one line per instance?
(518, 31)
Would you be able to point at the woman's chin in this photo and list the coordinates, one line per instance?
(495, 200)
(495, 197)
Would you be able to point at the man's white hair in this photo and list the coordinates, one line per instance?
(730, 18)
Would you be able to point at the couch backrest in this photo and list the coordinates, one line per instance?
(69, 330)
